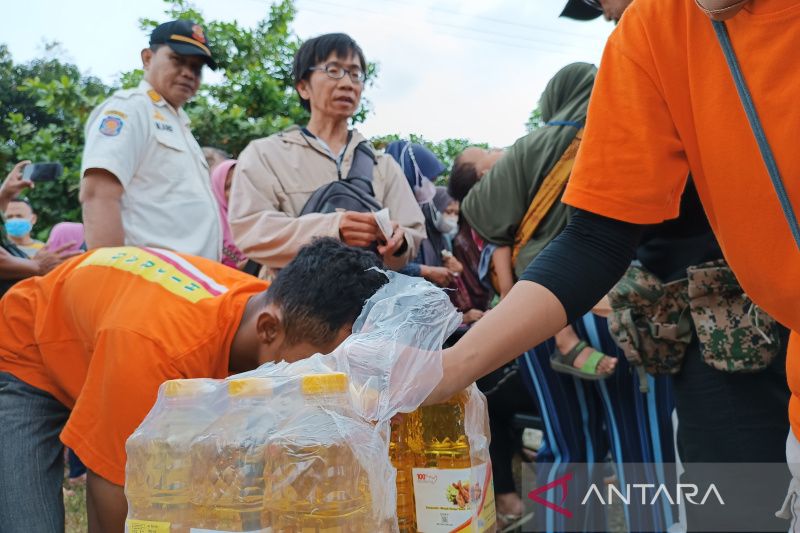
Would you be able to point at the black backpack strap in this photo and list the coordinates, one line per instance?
(364, 162)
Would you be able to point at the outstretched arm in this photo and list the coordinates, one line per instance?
(565, 281)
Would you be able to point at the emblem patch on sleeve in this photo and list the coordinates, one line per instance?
(111, 125)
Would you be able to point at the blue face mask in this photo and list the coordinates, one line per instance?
(18, 227)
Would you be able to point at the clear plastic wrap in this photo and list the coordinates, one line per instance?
(158, 470)
(444, 474)
(319, 439)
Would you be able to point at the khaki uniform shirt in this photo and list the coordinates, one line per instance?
(167, 202)
(276, 175)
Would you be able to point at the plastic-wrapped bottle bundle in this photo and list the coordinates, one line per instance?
(292, 452)
(228, 460)
(450, 482)
(158, 470)
(316, 484)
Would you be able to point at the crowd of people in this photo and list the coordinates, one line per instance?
(630, 258)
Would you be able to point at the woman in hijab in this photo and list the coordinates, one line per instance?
(221, 178)
(497, 191)
(421, 167)
(67, 233)
(513, 180)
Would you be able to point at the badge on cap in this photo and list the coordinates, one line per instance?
(111, 125)
(197, 33)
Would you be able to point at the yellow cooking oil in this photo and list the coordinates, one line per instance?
(315, 484)
(158, 469)
(228, 461)
(403, 461)
(439, 489)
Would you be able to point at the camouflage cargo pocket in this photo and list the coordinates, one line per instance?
(650, 320)
(735, 334)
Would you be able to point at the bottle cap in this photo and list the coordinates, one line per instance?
(325, 383)
(249, 387)
(187, 387)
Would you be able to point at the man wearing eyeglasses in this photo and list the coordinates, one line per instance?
(276, 176)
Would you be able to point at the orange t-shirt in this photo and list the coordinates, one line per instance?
(665, 103)
(104, 330)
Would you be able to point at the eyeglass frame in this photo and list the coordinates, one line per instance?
(594, 3)
(345, 71)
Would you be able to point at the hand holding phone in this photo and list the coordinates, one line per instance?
(37, 172)
(14, 183)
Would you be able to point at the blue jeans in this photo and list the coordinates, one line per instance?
(31, 458)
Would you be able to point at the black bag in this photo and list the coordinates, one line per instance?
(353, 193)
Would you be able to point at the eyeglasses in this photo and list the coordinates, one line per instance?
(594, 3)
(337, 72)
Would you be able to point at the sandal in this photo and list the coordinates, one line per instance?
(563, 363)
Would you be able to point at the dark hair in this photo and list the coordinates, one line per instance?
(463, 177)
(318, 49)
(323, 289)
(24, 201)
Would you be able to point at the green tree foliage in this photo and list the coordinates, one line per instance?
(257, 95)
(535, 120)
(44, 105)
(446, 151)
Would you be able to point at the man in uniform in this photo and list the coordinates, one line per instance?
(144, 177)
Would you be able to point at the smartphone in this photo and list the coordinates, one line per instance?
(42, 171)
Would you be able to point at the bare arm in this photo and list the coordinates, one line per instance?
(579, 266)
(529, 315)
(106, 505)
(12, 267)
(501, 261)
(13, 185)
(100, 197)
(44, 261)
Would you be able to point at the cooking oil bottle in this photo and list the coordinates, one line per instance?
(403, 461)
(228, 461)
(436, 471)
(315, 482)
(158, 469)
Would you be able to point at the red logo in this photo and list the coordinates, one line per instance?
(197, 33)
(560, 482)
(427, 478)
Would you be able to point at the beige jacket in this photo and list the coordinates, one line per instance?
(276, 175)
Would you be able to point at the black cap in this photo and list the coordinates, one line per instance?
(185, 38)
(580, 10)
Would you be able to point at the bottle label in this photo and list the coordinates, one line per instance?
(146, 526)
(448, 500)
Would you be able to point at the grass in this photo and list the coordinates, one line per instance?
(75, 508)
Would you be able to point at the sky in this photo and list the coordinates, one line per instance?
(447, 68)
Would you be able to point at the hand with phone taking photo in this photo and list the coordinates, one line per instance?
(14, 184)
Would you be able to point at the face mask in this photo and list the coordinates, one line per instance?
(18, 227)
(454, 221)
(445, 224)
(425, 192)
